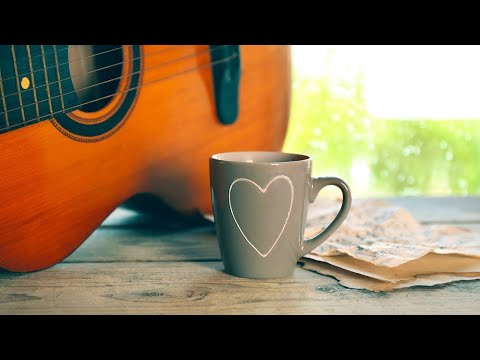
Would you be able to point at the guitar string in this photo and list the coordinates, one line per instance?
(87, 72)
(30, 65)
(204, 65)
(3, 99)
(173, 47)
(107, 81)
(59, 51)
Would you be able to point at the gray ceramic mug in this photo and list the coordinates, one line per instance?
(260, 203)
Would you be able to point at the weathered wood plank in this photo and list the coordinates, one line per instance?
(165, 220)
(441, 209)
(130, 236)
(130, 245)
(138, 264)
(117, 245)
(202, 288)
(424, 209)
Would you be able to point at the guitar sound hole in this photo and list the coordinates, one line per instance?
(96, 72)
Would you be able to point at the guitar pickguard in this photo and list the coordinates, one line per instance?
(226, 81)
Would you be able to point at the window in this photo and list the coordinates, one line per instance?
(391, 120)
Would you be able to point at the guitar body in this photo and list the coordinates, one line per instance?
(58, 185)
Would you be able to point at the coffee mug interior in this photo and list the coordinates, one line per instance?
(259, 157)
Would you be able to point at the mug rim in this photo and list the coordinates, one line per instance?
(295, 158)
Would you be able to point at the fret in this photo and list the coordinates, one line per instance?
(58, 76)
(69, 96)
(40, 83)
(27, 94)
(2, 94)
(19, 93)
(30, 63)
(46, 79)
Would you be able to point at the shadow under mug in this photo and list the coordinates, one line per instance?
(260, 203)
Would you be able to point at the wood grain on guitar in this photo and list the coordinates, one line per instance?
(57, 186)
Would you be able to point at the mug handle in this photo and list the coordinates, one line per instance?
(318, 184)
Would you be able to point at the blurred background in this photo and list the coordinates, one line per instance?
(390, 120)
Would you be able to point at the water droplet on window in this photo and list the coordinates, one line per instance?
(314, 144)
(322, 145)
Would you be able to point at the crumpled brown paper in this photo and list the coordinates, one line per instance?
(381, 247)
(356, 281)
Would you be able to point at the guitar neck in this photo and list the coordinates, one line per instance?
(35, 82)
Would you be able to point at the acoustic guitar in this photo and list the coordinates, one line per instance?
(84, 128)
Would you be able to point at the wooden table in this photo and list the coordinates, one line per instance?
(133, 265)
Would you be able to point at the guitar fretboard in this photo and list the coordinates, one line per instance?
(35, 82)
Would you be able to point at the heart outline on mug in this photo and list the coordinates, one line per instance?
(263, 191)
